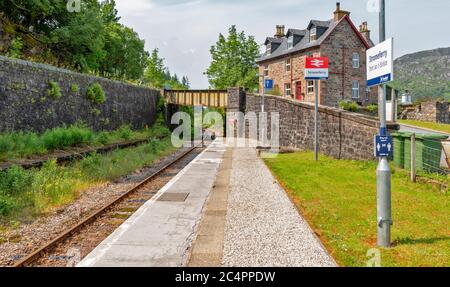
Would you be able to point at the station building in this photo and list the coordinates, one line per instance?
(340, 41)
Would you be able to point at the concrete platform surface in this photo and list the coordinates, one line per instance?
(160, 233)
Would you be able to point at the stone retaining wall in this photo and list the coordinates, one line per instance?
(26, 106)
(438, 112)
(343, 134)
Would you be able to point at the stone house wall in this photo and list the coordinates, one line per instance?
(438, 112)
(339, 47)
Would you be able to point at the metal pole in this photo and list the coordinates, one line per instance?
(316, 121)
(413, 157)
(384, 218)
(262, 110)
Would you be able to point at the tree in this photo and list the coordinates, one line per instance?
(185, 82)
(158, 76)
(155, 73)
(234, 61)
(90, 40)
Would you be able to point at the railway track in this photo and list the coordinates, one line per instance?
(75, 243)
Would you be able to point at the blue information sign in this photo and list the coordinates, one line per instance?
(383, 146)
(268, 84)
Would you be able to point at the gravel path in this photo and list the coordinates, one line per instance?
(263, 227)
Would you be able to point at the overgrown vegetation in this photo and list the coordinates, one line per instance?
(275, 91)
(349, 106)
(15, 51)
(54, 90)
(96, 94)
(372, 108)
(74, 88)
(22, 145)
(25, 193)
(338, 198)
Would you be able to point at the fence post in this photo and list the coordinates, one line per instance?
(413, 157)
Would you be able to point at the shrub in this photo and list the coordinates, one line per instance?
(6, 205)
(274, 92)
(66, 137)
(372, 108)
(74, 88)
(349, 106)
(54, 90)
(96, 94)
(14, 181)
(53, 186)
(125, 132)
(103, 137)
(15, 51)
(160, 131)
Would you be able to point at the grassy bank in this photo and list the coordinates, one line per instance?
(338, 198)
(27, 193)
(22, 145)
(428, 125)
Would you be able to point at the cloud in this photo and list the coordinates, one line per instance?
(184, 30)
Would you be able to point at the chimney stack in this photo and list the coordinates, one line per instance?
(364, 30)
(339, 14)
(280, 31)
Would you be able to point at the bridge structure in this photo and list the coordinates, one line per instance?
(207, 98)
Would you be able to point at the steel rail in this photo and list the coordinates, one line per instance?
(35, 255)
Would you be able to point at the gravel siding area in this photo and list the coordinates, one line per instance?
(263, 227)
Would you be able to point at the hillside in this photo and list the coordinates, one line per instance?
(425, 74)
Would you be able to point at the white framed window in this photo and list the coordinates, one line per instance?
(355, 60)
(287, 90)
(266, 70)
(268, 49)
(355, 89)
(287, 63)
(367, 93)
(310, 87)
(313, 34)
(290, 42)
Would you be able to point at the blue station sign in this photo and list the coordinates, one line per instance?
(268, 84)
(384, 146)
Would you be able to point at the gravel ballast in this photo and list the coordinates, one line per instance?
(263, 227)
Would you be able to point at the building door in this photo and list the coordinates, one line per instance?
(298, 90)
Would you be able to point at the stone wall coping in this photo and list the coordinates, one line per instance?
(66, 71)
(361, 119)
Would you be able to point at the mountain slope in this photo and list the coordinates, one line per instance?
(425, 74)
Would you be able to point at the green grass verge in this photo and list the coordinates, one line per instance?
(428, 125)
(338, 198)
(22, 145)
(27, 193)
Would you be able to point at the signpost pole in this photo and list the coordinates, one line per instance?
(316, 121)
(384, 220)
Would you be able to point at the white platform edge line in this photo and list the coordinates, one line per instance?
(106, 244)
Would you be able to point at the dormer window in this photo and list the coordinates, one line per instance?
(313, 34)
(268, 48)
(290, 42)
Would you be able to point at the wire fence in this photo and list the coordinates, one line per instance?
(429, 155)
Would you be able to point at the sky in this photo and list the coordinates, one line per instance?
(184, 30)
